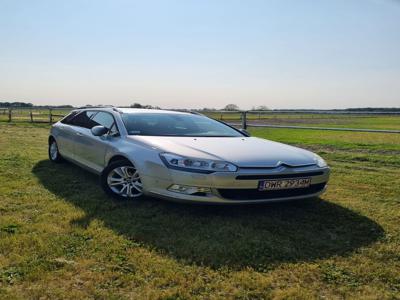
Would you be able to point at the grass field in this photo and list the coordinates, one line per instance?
(61, 237)
(391, 122)
(39, 115)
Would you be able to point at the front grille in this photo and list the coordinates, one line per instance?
(277, 176)
(254, 194)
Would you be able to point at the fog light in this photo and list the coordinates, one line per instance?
(189, 190)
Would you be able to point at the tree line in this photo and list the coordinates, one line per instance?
(228, 107)
(30, 105)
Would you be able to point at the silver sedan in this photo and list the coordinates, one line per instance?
(183, 156)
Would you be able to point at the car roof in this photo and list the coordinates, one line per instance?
(134, 110)
(147, 110)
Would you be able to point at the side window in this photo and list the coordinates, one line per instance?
(83, 119)
(69, 117)
(106, 120)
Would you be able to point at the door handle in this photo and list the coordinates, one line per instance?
(78, 133)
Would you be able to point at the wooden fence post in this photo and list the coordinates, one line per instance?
(31, 115)
(9, 115)
(50, 116)
(244, 120)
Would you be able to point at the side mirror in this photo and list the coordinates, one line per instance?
(99, 130)
(245, 132)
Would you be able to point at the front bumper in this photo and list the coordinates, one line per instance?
(235, 187)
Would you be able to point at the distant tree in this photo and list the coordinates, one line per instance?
(261, 107)
(231, 107)
(136, 105)
(22, 104)
(148, 106)
(369, 109)
(15, 104)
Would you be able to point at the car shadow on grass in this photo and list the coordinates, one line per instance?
(258, 236)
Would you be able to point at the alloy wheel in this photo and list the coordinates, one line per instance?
(125, 181)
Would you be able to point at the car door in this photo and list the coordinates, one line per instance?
(65, 135)
(90, 150)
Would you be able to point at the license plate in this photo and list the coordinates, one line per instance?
(283, 184)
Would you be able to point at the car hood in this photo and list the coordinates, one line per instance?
(242, 151)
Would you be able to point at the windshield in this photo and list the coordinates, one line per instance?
(164, 124)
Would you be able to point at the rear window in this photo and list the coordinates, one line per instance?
(69, 117)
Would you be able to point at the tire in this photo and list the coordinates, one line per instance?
(121, 180)
(54, 154)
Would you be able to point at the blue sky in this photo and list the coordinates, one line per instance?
(193, 54)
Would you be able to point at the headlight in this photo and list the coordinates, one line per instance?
(196, 165)
(320, 161)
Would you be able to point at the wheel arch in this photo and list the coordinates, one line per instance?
(50, 139)
(117, 157)
(114, 156)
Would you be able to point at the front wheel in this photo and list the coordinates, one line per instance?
(121, 180)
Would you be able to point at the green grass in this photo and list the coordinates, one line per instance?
(390, 122)
(61, 237)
